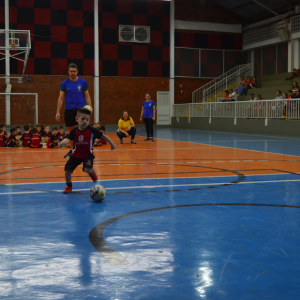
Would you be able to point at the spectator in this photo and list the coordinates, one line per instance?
(251, 107)
(100, 142)
(126, 127)
(247, 86)
(284, 103)
(288, 107)
(3, 128)
(26, 136)
(12, 141)
(61, 134)
(2, 138)
(35, 140)
(295, 74)
(253, 83)
(260, 106)
(241, 85)
(295, 87)
(39, 130)
(276, 106)
(53, 140)
(46, 134)
(232, 95)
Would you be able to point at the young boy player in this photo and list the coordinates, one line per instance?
(83, 137)
(53, 140)
(26, 136)
(2, 138)
(35, 140)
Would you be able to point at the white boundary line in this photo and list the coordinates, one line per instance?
(169, 178)
(157, 186)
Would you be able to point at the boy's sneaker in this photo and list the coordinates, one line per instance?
(152, 139)
(94, 176)
(121, 141)
(67, 190)
(68, 155)
(133, 142)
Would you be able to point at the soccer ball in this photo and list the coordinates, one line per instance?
(98, 193)
(88, 107)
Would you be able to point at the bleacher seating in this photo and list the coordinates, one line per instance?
(268, 85)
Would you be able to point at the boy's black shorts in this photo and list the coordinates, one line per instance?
(70, 115)
(74, 162)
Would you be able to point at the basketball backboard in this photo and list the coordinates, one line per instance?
(15, 43)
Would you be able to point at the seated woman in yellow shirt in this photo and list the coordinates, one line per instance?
(126, 127)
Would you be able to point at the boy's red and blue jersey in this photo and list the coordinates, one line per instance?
(35, 141)
(25, 139)
(2, 141)
(84, 141)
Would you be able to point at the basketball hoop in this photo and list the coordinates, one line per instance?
(13, 46)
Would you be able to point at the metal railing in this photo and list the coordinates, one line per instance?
(216, 88)
(295, 24)
(256, 109)
(263, 33)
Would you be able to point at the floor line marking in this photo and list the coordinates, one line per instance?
(104, 180)
(191, 162)
(230, 147)
(158, 186)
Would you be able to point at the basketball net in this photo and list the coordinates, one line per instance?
(13, 43)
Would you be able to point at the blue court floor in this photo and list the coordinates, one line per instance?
(216, 237)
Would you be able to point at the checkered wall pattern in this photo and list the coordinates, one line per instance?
(63, 32)
(271, 60)
(217, 41)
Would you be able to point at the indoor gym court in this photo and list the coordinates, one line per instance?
(194, 215)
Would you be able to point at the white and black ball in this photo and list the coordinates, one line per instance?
(98, 193)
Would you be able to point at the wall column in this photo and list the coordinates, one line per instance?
(96, 61)
(252, 62)
(7, 65)
(172, 57)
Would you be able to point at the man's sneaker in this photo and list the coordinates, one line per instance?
(152, 139)
(68, 155)
(67, 190)
(121, 141)
(94, 176)
(147, 139)
(133, 142)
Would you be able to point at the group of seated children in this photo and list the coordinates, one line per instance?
(245, 85)
(38, 136)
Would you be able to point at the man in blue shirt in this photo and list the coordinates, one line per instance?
(74, 91)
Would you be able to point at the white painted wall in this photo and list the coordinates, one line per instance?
(205, 26)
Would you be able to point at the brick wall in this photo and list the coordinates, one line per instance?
(188, 86)
(116, 94)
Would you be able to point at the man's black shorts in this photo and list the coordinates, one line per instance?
(74, 162)
(70, 115)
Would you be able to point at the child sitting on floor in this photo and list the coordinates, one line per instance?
(100, 142)
(35, 139)
(53, 140)
(61, 134)
(3, 128)
(12, 140)
(46, 134)
(25, 139)
(39, 130)
(2, 138)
